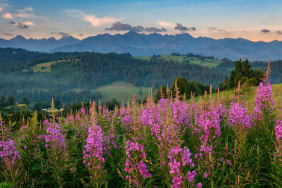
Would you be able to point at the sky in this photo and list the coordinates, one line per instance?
(256, 20)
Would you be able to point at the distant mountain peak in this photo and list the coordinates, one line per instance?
(18, 37)
(140, 44)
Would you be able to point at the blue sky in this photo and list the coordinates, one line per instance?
(251, 19)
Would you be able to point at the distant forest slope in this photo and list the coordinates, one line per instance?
(76, 76)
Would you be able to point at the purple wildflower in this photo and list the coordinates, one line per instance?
(190, 176)
(143, 170)
(54, 137)
(94, 148)
(263, 99)
(278, 130)
(8, 151)
(176, 182)
(135, 162)
(239, 116)
(199, 185)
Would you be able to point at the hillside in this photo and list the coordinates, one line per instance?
(248, 97)
(75, 77)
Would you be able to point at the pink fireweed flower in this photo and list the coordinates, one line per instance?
(278, 135)
(23, 127)
(105, 112)
(54, 137)
(190, 176)
(143, 170)
(71, 118)
(278, 130)
(206, 175)
(180, 112)
(263, 99)
(239, 116)
(207, 126)
(135, 162)
(147, 117)
(199, 185)
(9, 152)
(45, 122)
(221, 110)
(206, 149)
(82, 111)
(178, 159)
(177, 182)
(93, 151)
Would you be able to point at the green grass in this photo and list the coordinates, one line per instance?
(121, 91)
(46, 66)
(248, 97)
(207, 62)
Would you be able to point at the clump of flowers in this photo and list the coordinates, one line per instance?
(93, 154)
(238, 116)
(208, 128)
(179, 158)
(278, 130)
(263, 100)
(135, 165)
(180, 112)
(10, 163)
(278, 135)
(55, 145)
(53, 135)
(8, 152)
(221, 110)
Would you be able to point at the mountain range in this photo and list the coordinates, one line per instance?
(149, 44)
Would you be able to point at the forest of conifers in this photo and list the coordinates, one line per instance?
(77, 77)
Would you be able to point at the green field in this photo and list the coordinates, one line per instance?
(207, 62)
(121, 91)
(46, 66)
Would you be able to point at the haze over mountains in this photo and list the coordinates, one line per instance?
(149, 44)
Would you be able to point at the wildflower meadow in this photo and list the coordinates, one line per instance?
(171, 143)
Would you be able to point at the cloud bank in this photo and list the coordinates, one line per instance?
(118, 26)
(180, 27)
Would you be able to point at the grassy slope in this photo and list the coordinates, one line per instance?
(248, 97)
(121, 91)
(193, 60)
(46, 66)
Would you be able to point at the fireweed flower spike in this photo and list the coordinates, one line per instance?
(53, 135)
(263, 100)
(178, 159)
(93, 155)
(238, 116)
(135, 165)
(278, 135)
(8, 152)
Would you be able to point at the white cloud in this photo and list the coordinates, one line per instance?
(29, 23)
(25, 13)
(95, 21)
(1, 9)
(8, 16)
(166, 24)
(92, 19)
